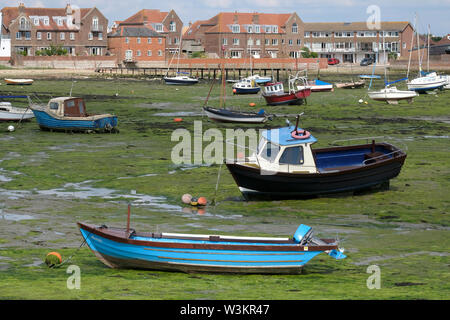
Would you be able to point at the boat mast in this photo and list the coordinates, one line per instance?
(384, 51)
(418, 52)
(412, 43)
(428, 53)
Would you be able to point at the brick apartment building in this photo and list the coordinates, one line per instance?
(30, 30)
(136, 43)
(166, 24)
(354, 41)
(236, 35)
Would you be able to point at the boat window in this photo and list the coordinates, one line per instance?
(81, 107)
(270, 151)
(70, 104)
(54, 105)
(292, 155)
(260, 145)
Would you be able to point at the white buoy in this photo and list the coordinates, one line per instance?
(11, 128)
(361, 101)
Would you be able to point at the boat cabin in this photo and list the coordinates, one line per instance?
(279, 151)
(274, 88)
(245, 83)
(67, 107)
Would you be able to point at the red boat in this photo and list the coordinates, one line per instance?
(275, 95)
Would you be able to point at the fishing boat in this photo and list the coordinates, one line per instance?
(227, 115)
(22, 82)
(69, 114)
(245, 86)
(10, 113)
(350, 85)
(275, 94)
(316, 86)
(286, 166)
(126, 248)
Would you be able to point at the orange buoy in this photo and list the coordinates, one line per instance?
(178, 119)
(234, 90)
(202, 201)
(52, 259)
(252, 104)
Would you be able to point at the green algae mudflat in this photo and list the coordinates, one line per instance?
(50, 180)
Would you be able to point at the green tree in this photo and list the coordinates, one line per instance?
(306, 53)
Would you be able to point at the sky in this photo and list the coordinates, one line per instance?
(433, 12)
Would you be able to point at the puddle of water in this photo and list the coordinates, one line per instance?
(5, 178)
(14, 194)
(35, 263)
(141, 176)
(15, 217)
(437, 137)
(178, 114)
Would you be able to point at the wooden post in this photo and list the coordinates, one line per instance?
(128, 219)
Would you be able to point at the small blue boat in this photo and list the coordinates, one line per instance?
(69, 114)
(368, 76)
(246, 86)
(125, 248)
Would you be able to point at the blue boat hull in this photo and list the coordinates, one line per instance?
(47, 121)
(197, 256)
(246, 90)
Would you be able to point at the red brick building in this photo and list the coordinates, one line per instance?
(236, 35)
(131, 44)
(166, 24)
(79, 31)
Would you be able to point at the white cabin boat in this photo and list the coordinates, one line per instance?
(10, 113)
(392, 95)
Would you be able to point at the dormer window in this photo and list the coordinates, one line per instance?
(46, 21)
(36, 21)
(173, 26)
(250, 29)
(275, 29)
(158, 27)
(59, 21)
(235, 28)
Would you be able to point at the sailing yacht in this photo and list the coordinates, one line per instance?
(390, 94)
(426, 81)
(181, 78)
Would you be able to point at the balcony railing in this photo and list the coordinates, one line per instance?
(96, 28)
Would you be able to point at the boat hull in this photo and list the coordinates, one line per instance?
(238, 90)
(217, 115)
(47, 121)
(255, 183)
(15, 116)
(153, 252)
(424, 84)
(287, 98)
(186, 82)
(22, 82)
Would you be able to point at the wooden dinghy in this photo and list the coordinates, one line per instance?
(69, 114)
(227, 115)
(19, 81)
(126, 248)
(350, 85)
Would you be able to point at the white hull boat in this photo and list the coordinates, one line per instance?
(180, 80)
(392, 95)
(10, 113)
(429, 82)
(19, 81)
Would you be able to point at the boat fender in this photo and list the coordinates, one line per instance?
(300, 134)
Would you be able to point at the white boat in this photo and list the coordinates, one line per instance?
(259, 79)
(180, 80)
(19, 81)
(430, 81)
(227, 115)
(316, 86)
(447, 80)
(392, 95)
(246, 86)
(10, 113)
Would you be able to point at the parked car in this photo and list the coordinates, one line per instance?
(366, 61)
(333, 61)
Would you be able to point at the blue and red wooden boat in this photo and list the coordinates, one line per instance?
(69, 114)
(126, 248)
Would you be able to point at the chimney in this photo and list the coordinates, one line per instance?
(255, 19)
(235, 18)
(68, 10)
(21, 7)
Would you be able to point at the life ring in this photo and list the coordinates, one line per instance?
(300, 134)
